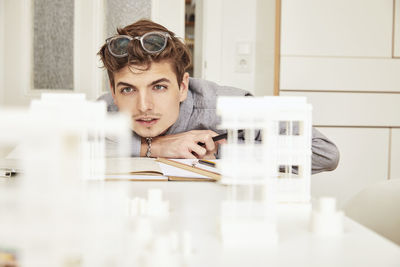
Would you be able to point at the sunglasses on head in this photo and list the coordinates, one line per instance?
(152, 43)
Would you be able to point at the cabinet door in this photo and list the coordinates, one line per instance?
(352, 109)
(340, 74)
(355, 28)
(395, 154)
(363, 161)
(396, 30)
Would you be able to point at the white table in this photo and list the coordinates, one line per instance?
(195, 206)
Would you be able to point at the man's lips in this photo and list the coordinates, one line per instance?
(146, 121)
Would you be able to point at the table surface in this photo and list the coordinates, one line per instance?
(195, 207)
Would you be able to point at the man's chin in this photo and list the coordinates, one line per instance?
(146, 132)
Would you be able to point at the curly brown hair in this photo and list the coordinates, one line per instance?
(176, 52)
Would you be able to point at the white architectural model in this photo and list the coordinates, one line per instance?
(153, 206)
(82, 125)
(262, 173)
(56, 215)
(326, 221)
(52, 215)
(284, 154)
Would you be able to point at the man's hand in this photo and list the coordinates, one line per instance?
(185, 145)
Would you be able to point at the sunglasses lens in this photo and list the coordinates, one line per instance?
(119, 46)
(154, 42)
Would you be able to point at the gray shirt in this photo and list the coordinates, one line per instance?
(198, 112)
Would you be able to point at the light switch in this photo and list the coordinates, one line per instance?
(243, 57)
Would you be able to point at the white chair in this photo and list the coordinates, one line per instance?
(378, 208)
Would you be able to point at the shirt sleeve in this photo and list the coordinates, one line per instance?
(325, 154)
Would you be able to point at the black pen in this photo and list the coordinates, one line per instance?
(215, 138)
(7, 172)
(220, 137)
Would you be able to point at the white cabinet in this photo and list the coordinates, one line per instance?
(352, 109)
(337, 28)
(340, 45)
(395, 154)
(339, 54)
(363, 161)
(340, 74)
(396, 42)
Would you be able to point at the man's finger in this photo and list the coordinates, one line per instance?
(199, 150)
(209, 143)
(189, 155)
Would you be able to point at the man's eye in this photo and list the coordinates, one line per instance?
(160, 87)
(126, 90)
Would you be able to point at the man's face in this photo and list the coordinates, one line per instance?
(150, 97)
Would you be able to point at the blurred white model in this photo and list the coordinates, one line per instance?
(53, 216)
(262, 173)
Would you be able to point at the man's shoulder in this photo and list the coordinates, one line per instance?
(204, 87)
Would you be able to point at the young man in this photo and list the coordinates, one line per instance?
(172, 113)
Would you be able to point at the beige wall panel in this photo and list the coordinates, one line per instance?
(2, 25)
(340, 74)
(337, 28)
(395, 154)
(363, 161)
(396, 44)
(353, 109)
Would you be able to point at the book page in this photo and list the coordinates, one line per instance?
(125, 166)
(135, 177)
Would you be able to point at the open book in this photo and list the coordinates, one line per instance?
(149, 169)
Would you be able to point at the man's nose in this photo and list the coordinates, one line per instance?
(145, 102)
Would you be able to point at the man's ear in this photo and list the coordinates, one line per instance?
(184, 87)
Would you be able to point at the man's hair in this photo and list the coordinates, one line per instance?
(176, 52)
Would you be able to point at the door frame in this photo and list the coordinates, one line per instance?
(2, 37)
(17, 68)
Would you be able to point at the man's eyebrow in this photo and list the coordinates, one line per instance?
(159, 81)
(125, 84)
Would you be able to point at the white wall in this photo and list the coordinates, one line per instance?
(339, 53)
(170, 14)
(239, 31)
(2, 39)
(238, 24)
